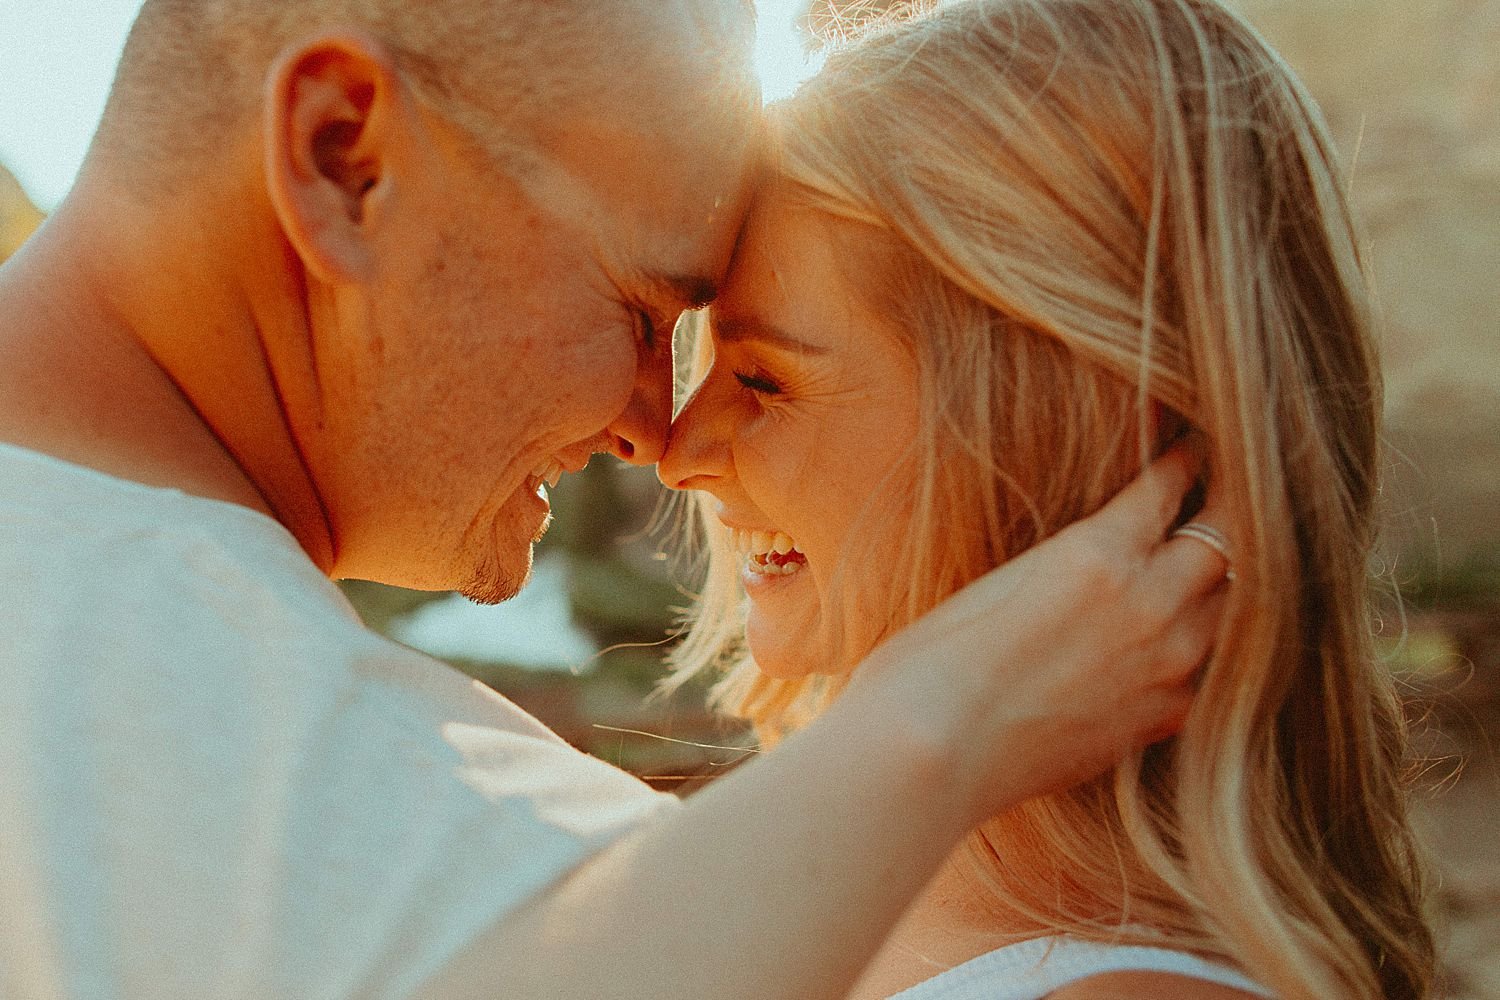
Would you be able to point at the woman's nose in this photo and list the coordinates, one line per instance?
(697, 452)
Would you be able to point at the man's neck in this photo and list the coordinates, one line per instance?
(123, 355)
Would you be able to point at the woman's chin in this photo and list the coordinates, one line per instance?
(790, 654)
(774, 659)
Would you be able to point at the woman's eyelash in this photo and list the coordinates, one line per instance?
(758, 384)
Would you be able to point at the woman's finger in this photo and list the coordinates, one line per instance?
(1208, 527)
(1186, 644)
(1143, 511)
(1178, 577)
(1196, 558)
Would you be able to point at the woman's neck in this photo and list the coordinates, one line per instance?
(949, 924)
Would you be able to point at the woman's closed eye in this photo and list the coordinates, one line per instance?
(757, 383)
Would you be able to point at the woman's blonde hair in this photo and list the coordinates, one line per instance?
(1099, 222)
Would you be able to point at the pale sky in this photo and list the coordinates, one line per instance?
(57, 58)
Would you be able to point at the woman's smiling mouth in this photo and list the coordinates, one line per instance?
(767, 553)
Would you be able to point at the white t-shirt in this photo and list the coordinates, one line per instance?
(215, 782)
(1029, 970)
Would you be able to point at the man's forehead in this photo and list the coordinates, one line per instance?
(690, 291)
(655, 166)
(627, 164)
(664, 211)
(695, 254)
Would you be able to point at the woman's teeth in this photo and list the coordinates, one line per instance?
(772, 553)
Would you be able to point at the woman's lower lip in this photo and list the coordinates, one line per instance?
(766, 582)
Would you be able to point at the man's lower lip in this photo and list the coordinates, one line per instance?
(537, 494)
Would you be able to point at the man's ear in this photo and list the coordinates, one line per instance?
(330, 115)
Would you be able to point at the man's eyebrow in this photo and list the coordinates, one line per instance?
(691, 291)
(736, 329)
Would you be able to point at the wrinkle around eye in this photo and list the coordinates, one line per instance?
(758, 383)
(647, 332)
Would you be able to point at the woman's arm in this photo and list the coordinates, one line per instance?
(781, 879)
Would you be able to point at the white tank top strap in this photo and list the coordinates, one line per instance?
(1029, 970)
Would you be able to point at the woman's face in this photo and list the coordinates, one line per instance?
(802, 431)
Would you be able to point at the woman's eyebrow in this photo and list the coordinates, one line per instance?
(737, 329)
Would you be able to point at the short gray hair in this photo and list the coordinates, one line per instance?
(193, 70)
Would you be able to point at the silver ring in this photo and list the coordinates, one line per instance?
(1210, 536)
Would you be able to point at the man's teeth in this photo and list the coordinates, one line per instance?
(758, 548)
(548, 472)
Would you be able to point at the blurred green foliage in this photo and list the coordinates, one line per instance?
(1429, 582)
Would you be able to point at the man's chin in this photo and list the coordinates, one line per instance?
(497, 578)
(493, 588)
(541, 530)
(502, 561)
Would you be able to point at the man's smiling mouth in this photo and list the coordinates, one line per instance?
(548, 472)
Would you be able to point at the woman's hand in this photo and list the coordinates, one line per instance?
(1052, 668)
(1038, 675)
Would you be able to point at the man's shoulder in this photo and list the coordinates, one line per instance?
(81, 548)
(195, 726)
(153, 604)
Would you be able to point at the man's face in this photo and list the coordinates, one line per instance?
(521, 321)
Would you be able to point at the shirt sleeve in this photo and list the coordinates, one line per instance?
(215, 782)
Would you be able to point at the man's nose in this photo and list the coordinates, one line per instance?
(639, 434)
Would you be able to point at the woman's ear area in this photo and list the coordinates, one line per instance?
(332, 114)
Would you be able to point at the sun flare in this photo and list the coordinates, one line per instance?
(781, 57)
